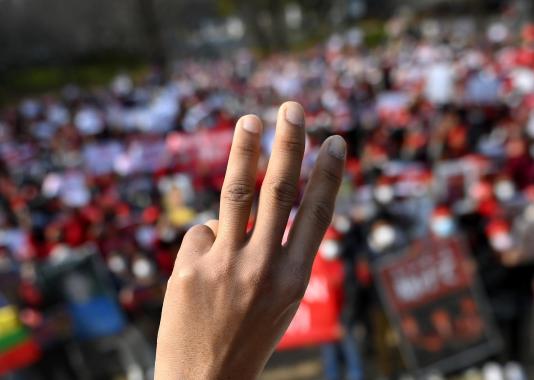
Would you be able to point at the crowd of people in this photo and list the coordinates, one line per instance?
(439, 123)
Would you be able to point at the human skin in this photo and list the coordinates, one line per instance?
(232, 294)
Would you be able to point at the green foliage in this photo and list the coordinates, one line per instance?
(375, 32)
(227, 7)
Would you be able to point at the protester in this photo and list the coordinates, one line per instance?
(440, 140)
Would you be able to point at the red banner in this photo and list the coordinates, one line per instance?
(209, 148)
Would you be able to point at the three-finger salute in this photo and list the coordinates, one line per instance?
(232, 294)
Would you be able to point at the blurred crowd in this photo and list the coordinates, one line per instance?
(440, 127)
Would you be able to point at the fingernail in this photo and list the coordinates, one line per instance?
(294, 114)
(337, 147)
(251, 124)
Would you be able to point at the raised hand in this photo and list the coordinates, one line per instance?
(232, 294)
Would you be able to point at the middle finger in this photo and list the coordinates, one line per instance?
(280, 186)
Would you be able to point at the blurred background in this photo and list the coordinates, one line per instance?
(116, 119)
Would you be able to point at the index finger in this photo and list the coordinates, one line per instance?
(238, 188)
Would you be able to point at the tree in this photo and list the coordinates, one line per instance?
(152, 28)
(265, 21)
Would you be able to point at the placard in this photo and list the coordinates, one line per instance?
(433, 300)
(205, 148)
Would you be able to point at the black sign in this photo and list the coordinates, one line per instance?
(433, 300)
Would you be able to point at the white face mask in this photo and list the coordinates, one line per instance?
(492, 371)
(442, 226)
(435, 376)
(504, 190)
(501, 241)
(342, 224)
(329, 249)
(116, 264)
(382, 237)
(384, 194)
(142, 268)
(59, 253)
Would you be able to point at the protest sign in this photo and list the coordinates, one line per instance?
(99, 157)
(18, 156)
(148, 156)
(204, 148)
(434, 303)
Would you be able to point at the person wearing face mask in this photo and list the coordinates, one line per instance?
(383, 192)
(501, 240)
(508, 287)
(358, 296)
(442, 224)
(382, 237)
(385, 238)
(504, 189)
(512, 295)
(346, 351)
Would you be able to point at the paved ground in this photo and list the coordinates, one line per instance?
(294, 365)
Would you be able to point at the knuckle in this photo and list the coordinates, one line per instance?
(331, 176)
(267, 283)
(252, 279)
(222, 273)
(198, 230)
(283, 192)
(247, 150)
(218, 276)
(321, 212)
(295, 284)
(292, 145)
(261, 280)
(238, 193)
(183, 276)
